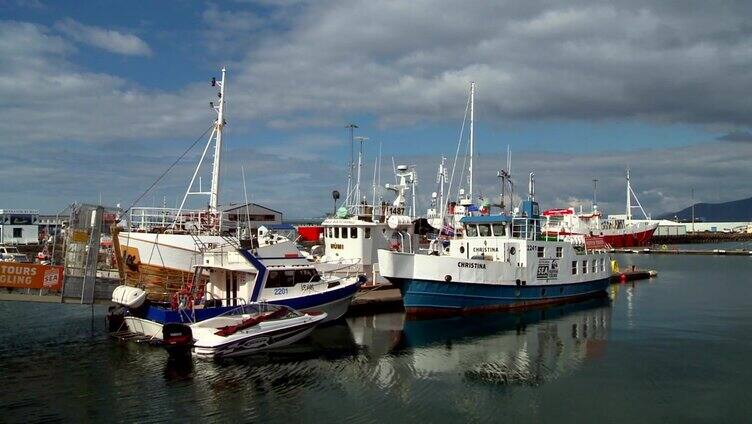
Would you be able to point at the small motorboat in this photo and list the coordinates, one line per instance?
(247, 329)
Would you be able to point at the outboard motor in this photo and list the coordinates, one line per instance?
(177, 338)
(115, 318)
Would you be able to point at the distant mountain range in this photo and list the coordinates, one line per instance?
(737, 210)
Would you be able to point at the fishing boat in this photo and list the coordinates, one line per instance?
(231, 277)
(616, 230)
(353, 236)
(498, 261)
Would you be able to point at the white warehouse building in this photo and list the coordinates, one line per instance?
(19, 226)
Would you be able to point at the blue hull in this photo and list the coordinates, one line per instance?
(165, 315)
(426, 297)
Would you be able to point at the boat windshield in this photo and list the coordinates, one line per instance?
(471, 230)
(484, 230)
(555, 220)
(498, 229)
(290, 277)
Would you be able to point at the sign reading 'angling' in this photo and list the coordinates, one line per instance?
(31, 276)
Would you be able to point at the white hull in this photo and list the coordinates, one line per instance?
(262, 336)
(144, 327)
(334, 310)
(182, 251)
(172, 251)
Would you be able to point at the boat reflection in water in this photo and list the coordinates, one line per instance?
(527, 347)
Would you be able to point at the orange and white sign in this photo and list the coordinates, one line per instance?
(31, 276)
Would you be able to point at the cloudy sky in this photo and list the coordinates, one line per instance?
(98, 98)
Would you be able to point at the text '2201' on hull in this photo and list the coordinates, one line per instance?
(426, 297)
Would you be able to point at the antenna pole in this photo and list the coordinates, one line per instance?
(472, 144)
(214, 196)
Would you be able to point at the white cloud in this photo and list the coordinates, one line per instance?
(106, 39)
(46, 98)
(304, 65)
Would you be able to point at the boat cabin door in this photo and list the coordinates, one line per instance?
(512, 253)
(236, 287)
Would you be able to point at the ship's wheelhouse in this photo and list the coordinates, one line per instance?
(486, 226)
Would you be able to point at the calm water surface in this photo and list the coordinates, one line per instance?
(673, 349)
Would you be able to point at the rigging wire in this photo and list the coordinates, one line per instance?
(169, 168)
(457, 153)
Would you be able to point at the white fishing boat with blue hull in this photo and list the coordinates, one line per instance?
(229, 278)
(496, 262)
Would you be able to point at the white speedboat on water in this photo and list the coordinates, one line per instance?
(245, 330)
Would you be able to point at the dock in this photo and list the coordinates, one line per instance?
(670, 251)
(382, 298)
(702, 237)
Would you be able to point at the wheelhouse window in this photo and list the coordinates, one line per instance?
(498, 229)
(367, 232)
(541, 251)
(484, 230)
(584, 267)
(595, 266)
(471, 230)
(307, 276)
(574, 267)
(353, 232)
(603, 265)
(559, 251)
(17, 232)
(280, 279)
(289, 277)
(336, 232)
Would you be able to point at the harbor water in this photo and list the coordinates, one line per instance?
(676, 348)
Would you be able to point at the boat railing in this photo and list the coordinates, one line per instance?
(252, 308)
(173, 220)
(345, 262)
(223, 301)
(377, 213)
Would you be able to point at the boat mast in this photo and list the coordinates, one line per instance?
(595, 194)
(629, 199)
(214, 196)
(360, 167)
(216, 138)
(472, 146)
(350, 165)
(441, 177)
